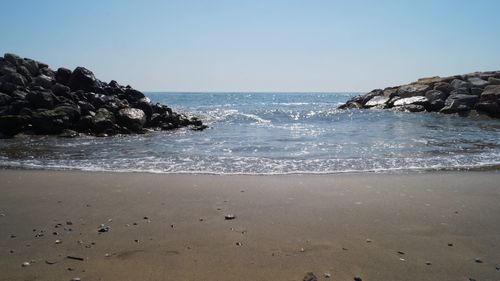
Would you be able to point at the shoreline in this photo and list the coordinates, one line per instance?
(172, 227)
(402, 171)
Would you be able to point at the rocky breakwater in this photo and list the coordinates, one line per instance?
(35, 99)
(462, 94)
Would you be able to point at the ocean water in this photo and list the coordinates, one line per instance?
(274, 133)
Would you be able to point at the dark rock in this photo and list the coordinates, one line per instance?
(61, 90)
(63, 76)
(478, 82)
(476, 91)
(133, 95)
(411, 90)
(460, 84)
(443, 87)
(18, 95)
(356, 278)
(24, 72)
(40, 99)
(6, 67)
(43, 81)
(489, 100)
(132, 118)
(50, 121)
(459, 103)
(12, 59)
(13, 124)
(16, 106)
(7, 87)
(82, 79)
(14, 78)
(85, 107)
(31, 66)
(494, 81)
(73, 112)
(48, 72)
(85, 124)
(103, 121)
(310, 277)
(4, 99)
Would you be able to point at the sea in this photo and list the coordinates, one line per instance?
(274, 133)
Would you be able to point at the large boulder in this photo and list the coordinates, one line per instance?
(31, 66)
(14, 78)
(12, 124)
(6, 67)
(12, 59)
(411, 90)
(103, 121)
(133, 95)
(489, 100)
(43, 81)
(4, 99)
(132, 118)
(377, 101)
(436, 99)
(456, 103)
(417, 100)
(50, 121)
(83, 79)
(40, 99)
(460, 84)
(72, 111)
(63, 76)
(478, 82)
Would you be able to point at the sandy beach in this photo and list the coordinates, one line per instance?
(418, 226)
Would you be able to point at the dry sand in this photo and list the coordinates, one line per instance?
(285, 226)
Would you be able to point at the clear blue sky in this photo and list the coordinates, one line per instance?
(231, 45)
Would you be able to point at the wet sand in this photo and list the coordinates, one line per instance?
(172, 227)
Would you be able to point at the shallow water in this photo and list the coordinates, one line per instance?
(274, 133)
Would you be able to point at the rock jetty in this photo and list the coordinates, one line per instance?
(462, 94)
(35, 99)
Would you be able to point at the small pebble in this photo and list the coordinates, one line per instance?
(472, 279)
(76, 279)
(368, 240)
(136, 241)
(201, 219)
(107, 255)
(146, 218)
(478, 260)
(310, 277)
(356, 278)
(12, 236)
(401, 253)
(327, 275)
(69, 223)
(58, 241)
(103, 228)
(497, 268)
(450, 244)
(238, 244)
(302, 250)
(2, 215)
(25, 264)
(229, 217)
(11, 251)
(428, 263)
